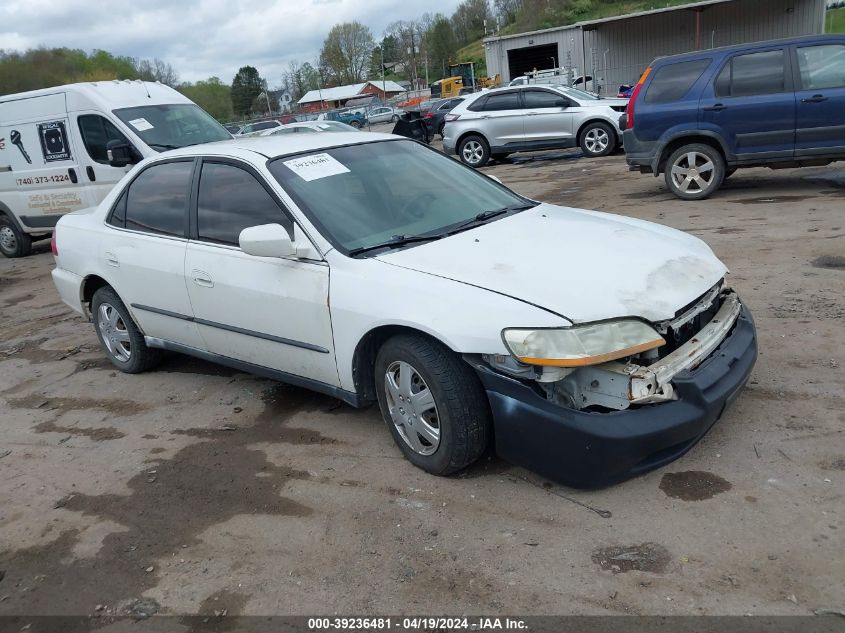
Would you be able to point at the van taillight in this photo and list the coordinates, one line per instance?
(633, 99)
(53, 246)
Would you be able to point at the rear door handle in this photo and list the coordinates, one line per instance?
(202, 278)
(72, 175)
(717, 107)
(814, 99)
(111, 259)
(91, 175)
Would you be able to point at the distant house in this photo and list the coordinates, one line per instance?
(328, 98)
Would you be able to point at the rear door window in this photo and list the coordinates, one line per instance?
(752, 74)
(536, 99)
(157, 200)
(502, 101)
(673, 81)
(822, 66)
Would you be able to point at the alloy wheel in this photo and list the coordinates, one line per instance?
(114, 333)
(412, 408)
(472, 152)
(693, 172)
(596, 140)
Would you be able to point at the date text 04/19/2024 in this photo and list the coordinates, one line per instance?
(419, 623)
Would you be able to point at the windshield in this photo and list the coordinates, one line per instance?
(577, 94)
(169, 126)
(363, 195)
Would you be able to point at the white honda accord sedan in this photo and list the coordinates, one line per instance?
(585, 346)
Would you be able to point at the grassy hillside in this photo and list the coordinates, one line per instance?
(835, 21)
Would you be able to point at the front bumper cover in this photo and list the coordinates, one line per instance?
(585, 449)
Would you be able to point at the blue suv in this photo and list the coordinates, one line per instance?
(698, 117)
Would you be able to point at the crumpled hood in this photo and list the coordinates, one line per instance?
(583, 265)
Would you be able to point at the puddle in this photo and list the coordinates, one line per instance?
(771, 200)
(648, 557)
(117, 406)
(836, 262)
(218, 610)
(96, 434)
(837, 463)
(520, 160)
(693, 485)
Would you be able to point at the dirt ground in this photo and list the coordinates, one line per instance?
(198, 489)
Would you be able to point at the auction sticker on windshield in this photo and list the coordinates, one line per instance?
(315, 166)
(141, 124)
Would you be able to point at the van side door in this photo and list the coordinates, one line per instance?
(95, 131)
(751, 104)
(820, 100)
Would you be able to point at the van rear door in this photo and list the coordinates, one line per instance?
(43, 161)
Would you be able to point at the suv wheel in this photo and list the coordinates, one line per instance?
(474, 151)
(120, 337)
(694, 171)
(433, 404)
(598, 139)
(13, 241)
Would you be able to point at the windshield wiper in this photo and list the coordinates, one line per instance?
(482, 217)
(164, 145)
(395, 242)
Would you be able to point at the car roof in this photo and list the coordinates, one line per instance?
(279, 145)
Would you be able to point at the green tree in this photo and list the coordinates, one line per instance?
(346, 52)
(441, 44)
(212, 95)
(246, 85)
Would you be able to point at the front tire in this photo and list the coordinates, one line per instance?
(694, 171)
(394, 118)
(474, 151)
(121, 339)
(433, 404)
(598, 139)
(13, 241)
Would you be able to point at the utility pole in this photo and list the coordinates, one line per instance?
(383, 84)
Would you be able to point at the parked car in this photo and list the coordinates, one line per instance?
(496, 123)
(308, 127)
(254, 129)
(698, 117)
(353, 118)
(200, 250)
(435, 116)
(64, 148)
(384, 114)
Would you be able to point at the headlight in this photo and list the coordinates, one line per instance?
(581, 344)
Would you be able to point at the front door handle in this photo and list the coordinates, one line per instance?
(72, 175)
(111, 259)
(717, 107)
(202, 278)
(814, 99)
(91, 175)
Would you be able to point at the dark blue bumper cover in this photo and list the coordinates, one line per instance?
(591, 450)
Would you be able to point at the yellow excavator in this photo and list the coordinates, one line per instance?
(461, 80)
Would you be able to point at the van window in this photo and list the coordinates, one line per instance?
(157, 200)
(822, 66)
(673, 81)
(502, 101)
(752, 74)
(230, 200)
(96, 132)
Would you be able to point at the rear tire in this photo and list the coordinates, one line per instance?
(474, 151)
(13, 241)
(121, 339)
(598, 139)
(394, 118)
(433, 404)
(694, 171)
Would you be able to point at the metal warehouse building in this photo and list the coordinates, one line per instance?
(616, 50)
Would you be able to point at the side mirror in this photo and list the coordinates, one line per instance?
(121, 153)
(266, 240)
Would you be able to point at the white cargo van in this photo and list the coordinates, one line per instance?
(64, 148)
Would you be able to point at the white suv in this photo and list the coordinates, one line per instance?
(373, 268)
(496, 123)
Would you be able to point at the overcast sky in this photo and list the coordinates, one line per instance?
(200, 38)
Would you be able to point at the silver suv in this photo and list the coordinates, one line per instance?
(495, 123)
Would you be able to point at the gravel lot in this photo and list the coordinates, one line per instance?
(195, 488)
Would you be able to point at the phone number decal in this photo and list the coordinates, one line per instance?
(40, 180)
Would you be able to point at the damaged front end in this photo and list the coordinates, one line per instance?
(641, 378)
